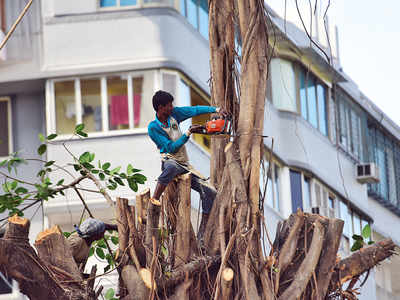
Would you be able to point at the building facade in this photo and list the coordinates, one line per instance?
(99, 62)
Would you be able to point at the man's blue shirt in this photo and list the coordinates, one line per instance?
(180, 114)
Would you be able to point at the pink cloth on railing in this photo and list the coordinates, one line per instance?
(119, 110)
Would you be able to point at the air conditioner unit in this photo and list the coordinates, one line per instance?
(367, 173)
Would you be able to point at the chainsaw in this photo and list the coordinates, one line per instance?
(218, 125)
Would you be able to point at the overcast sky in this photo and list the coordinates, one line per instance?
(369, 45)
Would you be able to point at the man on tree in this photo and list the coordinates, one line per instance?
(89, 231)
(166, 134)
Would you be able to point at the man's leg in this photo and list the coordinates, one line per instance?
(170, 169)
(207, 196)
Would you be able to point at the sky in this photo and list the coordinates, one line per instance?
(369, 44)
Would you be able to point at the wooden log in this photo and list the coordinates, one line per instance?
(226, 283)
(362, 261)
(196, 266)
(54, 250)
(122, 223)
(152, 228)
(182, 290)
(138, 283)
(328, 256)
(133, 236)
(21, 263)
(17, 229)
(289, 247)
(307, 267)
(184, 225)
(142, 200)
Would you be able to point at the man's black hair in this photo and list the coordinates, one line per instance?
(161, 98)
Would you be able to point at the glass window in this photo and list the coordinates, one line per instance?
(5, 124)
(356, 224)
(117, 96)
(108, 3)
(312, 102)
(203, 18)
(183, 8)
(127, 2)
(331, 202)
(295, 190)
(346, 217)
(203, 140)
(303, 96)
(322, 109)
(283, 85)
(192, 13)
(307, 194)
(276, 187)
(65, 106)
(91, 104)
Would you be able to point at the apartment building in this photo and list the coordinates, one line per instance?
(99, 62)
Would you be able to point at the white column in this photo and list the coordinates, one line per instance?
(104, 104)
(130, 102)
(78, 101)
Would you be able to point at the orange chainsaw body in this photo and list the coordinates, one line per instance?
(216, 126)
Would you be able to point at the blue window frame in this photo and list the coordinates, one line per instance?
(313, 97)
(196, 12)
(117, 3)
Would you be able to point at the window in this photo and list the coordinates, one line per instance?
(307, 194)
(186, 94)
(5, 127)
(117, 3)
(103, 103)
(196, 12)
(271, 193)
(385, 152)
(324, 200)
(350, 124)
(296, 191)
(283, 84)
(346, 217)
(313, 100)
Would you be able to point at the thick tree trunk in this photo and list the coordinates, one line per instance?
(54, 250)
(20, 262)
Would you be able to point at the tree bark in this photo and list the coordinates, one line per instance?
(53, 249)
(152, 228)
(141, 204)
(138, 288)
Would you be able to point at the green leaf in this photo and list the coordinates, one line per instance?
(357, 237)
(357, 246)
(79, 127)
(371, 242)
(60, 182)
(106, 166)
(132, 184)
(110, 292)
(21, 190)
(140, 178)
(91, 252)
(102, 176)
(81, 133)
(88, 165)
(105, 270)
(42, 149)
(101, 244)
(114, 240)
(366, 232)
(49, 163)
(119, 181)
(129, 170)
(3, 162)
(115, 170)
(41, 173)
(41, 137)
(95, 171)
(13, 185)
(84, 157)
(67, 234)
(100, 253)
(51, 136)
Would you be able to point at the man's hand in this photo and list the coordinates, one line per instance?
(222, 112)
(195, 128)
